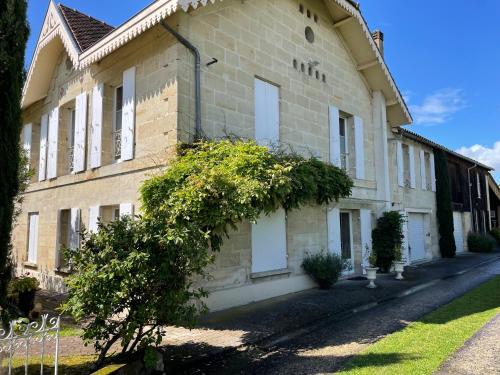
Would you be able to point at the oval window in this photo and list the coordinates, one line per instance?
(309, 35)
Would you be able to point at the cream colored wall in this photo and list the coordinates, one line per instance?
(261, 39)
(154, 55)
(414, 199)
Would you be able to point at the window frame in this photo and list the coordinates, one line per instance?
(28, 239)
(351, 240)
(115, 122)
(344, 157)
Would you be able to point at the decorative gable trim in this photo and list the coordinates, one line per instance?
(354, 12)
(137, 25)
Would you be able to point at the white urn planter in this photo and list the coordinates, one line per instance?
(399, 267)
(371, 275)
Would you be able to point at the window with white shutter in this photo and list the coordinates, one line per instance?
(400, 163)
(53, 143)
(33, 219)
(94, 215)
(27, 134)
(269, 243)
(42, 166)
(126, 209)
(69, 228)
(423, 170)
(128, 115)
(80, 133)
(433, 173)
(335, 153)
(411, 157)
(334, 237)
(96, 126)
(359, 147)
(267, 115)
(117, 123)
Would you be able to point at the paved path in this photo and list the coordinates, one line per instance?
(480, 355)
(326, 347)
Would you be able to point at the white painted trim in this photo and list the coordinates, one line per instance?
(423, 171)
(411, 157)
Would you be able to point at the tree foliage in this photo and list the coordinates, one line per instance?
(444, 209)
(134, 277)
(13, 36)
(387, 237)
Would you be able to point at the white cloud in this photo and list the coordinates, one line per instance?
(439, 107)
(485, 155)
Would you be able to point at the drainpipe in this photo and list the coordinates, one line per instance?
(197, 75)
(470, 195)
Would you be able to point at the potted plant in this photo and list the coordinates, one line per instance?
(371, 269)
(399, 262)
(22, 290)
(325, 268)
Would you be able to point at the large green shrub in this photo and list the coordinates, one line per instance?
(325, 268)
(386, 237)
(495, 233)
(480, 243)
(444, 209)
(135, 276)
(21, 291)
(13, 36)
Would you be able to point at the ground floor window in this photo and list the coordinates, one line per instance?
(68, 236)
(269, 243)
(32, 237)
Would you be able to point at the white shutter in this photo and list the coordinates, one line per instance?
(74, 239)
(359, 145)
(405, 250)
(33, 238)
(94, 213)
(96, 127)
(366, 235)
(27, 131)
(126, 209)
(423, 174)
(128, 114)
(399, 157)
(267, 117)
(335, 136)
(334, 239)
(433, 173)
(411, 155)
(53, 139)
(80, 133)
(269, 242)
(42, 166)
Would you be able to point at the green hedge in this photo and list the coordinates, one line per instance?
(495, 233)
(480, 243)
(387, 235)
(324, 267)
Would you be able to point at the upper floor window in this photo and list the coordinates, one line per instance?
(406, 166)
(344, 143)
(117, 123)
(71, 139)
(267, 113)
(478, 183)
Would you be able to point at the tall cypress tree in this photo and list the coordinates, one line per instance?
(444, 205)
(14, 33)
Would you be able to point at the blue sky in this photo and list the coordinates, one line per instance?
(443, 55)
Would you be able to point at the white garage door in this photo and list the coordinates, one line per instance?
(416, 237)
(458, 234)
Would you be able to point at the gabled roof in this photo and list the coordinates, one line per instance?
(85, 48)
(86, 30)
(416, 137)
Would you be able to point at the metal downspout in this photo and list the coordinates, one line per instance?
(197, 75)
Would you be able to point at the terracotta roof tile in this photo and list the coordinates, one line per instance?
(86, 30)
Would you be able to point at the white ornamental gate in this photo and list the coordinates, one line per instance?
(21, 338)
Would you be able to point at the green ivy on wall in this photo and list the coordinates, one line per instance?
(444, 205)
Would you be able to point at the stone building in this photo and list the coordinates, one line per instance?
(105, 107)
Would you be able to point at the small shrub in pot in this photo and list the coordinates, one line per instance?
(22, 291)
(480, 243)
(325, 268)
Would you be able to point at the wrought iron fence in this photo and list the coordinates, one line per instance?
(22, 337)
(117, 144)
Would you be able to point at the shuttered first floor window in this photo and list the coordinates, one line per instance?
(32, 237)
(117, 123)
(269, 243)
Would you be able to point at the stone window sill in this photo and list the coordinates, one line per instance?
(260, 275)
(63, 271)
(30, 265)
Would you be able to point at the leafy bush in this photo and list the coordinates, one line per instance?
(134, 277)
(325, 268)
(23, 284)
(480, 243)
(495, 233)
(386, 237)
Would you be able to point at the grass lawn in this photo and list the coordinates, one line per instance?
(423, 346)
(77, 365)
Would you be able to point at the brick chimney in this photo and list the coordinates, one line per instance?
(378, 38)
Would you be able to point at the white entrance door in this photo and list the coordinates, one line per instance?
(457, 233)
(416, 237)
